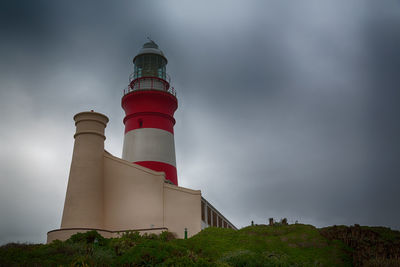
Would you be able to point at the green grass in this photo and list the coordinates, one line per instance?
(285, 245)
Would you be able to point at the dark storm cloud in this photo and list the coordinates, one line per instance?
(294, 120)
(383, 36)
(286, 109)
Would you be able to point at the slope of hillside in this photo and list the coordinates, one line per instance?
(371, 246)
(261, 245)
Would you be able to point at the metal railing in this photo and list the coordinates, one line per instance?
(150, 83)
(162, 75)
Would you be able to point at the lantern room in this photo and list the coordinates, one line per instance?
(150, 62)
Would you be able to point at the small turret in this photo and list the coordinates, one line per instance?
(83, 205)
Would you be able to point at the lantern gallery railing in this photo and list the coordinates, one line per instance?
(150, 83)
(161, 75)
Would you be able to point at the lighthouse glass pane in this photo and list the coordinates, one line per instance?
(149, 65)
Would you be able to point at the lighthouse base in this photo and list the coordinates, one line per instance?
(133, 198)
(136, 198)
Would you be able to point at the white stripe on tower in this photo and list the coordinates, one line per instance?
(149, 144)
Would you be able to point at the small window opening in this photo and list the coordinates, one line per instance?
(140, 123)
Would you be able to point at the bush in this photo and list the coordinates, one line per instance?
(247, 258)
(167, 236)
(90, 237)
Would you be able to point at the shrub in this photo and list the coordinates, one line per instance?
(167, 236)
(89, 237)
(245, 258)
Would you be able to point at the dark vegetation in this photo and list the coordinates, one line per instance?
(259, 245)
(371, 246)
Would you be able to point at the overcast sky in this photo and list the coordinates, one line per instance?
(286, 108)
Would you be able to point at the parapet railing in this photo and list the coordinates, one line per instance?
(150, 83)
(162, 75)
(221, 217)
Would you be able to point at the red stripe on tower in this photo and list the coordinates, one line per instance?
(170, 171)
(149, 104)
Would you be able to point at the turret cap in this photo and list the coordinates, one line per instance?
(150, 48)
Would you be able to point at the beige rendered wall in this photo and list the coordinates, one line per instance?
(136, 197)
(182, 209)
(133, 195)
(83, 206)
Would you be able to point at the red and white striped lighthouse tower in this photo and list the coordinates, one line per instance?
(149, 104)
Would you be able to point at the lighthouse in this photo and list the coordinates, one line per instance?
(138, 192)
(149, 103)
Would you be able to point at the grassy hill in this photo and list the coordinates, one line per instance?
(261, 245)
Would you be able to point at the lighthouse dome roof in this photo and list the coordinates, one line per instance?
(150, 48)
